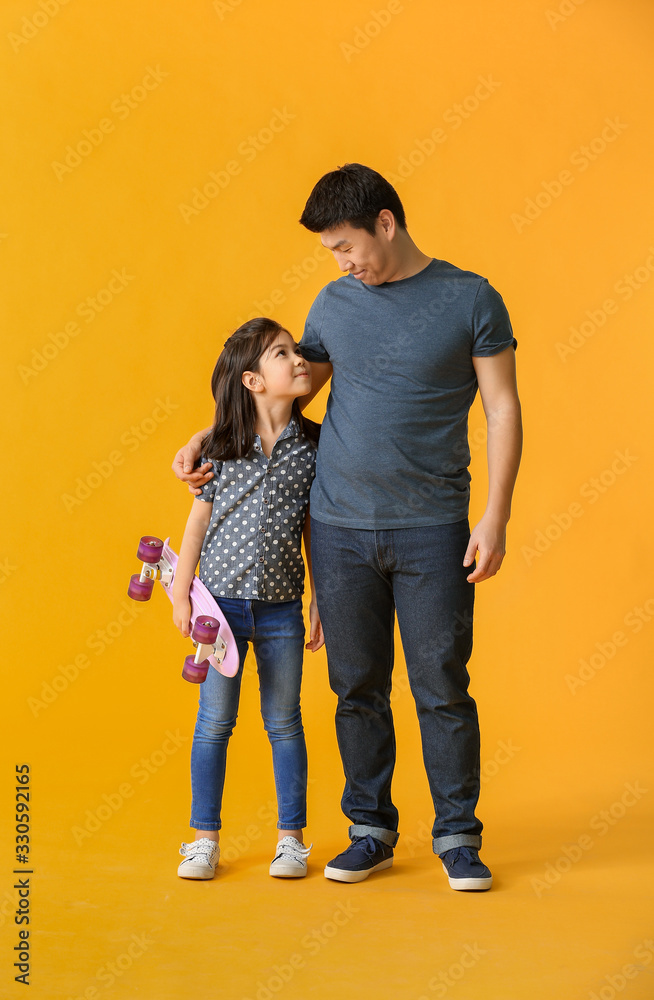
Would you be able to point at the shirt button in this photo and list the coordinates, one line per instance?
(260, 558)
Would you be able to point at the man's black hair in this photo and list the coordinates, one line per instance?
(354, 195)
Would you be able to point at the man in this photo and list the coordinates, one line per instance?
(407, 340)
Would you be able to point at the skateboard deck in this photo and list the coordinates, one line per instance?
(222, 653)
(203, 603)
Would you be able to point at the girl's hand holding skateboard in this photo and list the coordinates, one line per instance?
(182, 615)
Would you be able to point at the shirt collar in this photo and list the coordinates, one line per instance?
(292, 429)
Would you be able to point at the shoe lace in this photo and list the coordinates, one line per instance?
(203, 846)
(289, 847)
(367, 843)
(466, 853)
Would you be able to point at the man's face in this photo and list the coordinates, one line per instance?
(368, 258)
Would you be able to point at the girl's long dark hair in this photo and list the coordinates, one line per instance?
(232, 434)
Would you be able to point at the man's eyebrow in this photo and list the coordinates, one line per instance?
(336, 245)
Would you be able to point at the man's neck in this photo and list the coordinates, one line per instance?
(410, 259)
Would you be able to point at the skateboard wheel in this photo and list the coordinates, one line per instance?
(140, 590)
(205, 630)
(150, 549)
(195, 672)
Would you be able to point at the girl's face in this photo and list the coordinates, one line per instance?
(283, 373)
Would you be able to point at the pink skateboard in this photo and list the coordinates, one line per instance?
(210, 632)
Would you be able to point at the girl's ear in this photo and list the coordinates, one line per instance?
(252, 381)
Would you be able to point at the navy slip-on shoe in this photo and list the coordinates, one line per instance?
(464, 869)
(364, 856)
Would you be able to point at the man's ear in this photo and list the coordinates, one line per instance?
(252, 381)
(386, 224)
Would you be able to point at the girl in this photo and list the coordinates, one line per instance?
(247, 525)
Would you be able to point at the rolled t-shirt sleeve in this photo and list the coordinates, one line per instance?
(209, 489)
(311, 345)
(491, 326)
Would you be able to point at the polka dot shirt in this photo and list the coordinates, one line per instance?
(252, 549)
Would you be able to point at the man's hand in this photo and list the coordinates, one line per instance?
(184, 462)
(488, 538)
(316, 637)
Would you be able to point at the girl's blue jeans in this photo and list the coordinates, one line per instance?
(276, 631)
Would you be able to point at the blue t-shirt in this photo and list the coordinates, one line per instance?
(393, 448)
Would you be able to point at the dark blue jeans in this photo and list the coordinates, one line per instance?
(362, 577)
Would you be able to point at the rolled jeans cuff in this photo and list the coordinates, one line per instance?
(442, 844)
(389, 837)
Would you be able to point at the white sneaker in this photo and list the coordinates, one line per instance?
(290, 860)
(200, 859)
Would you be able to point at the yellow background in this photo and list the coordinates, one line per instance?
(355, 82)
